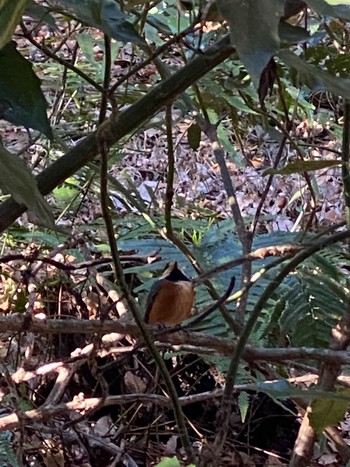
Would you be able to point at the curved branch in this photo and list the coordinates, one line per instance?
(85, 151)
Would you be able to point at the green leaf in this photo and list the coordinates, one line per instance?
(21, 99)
(104, 15)
(315, 78)
(277, 389)
(17, 180)
(171, 462)
(302, 166)
(254, 31)
(326, 412)
(238, 103)
(86, 42)
(243, 404)
(194, 136)
(41, 14)
(331, 8)
(10, 14)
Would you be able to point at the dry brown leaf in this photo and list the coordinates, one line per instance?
(133, 383)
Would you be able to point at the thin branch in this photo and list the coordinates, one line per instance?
(224, 411)
(304, 444)
(58, 59)
(287, 251)
(71, 267)
(170, 234)
(82, 405)
(329, 373)
(85, 151)
(106, 79)
(212, 307)
(193, 341)
(244, 236)
(169, 193)
(153, 57)
(268, 185)
(133, 306)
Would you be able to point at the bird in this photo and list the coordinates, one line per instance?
(171, 298)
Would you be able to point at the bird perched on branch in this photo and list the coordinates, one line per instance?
(171, 297)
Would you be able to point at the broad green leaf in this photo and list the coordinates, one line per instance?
(10, 14)
(331, 8)
(86, 42)
(315, 78)
(17, 180)
(40, 13)
(254, 31)
(21, 99)
(159, 25)
(238, 103)
(302, 166)
(104, 15)
(170, 462)
(279, 389)
(47, 238)
(243, 404)
(194, 136)
(326, 412)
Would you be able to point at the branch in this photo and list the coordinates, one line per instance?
(303, 449)
(223, 415)
(187, 340)
(82, 405)
(85, 151)
(47, 51)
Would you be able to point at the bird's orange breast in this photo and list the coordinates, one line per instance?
(172, 303)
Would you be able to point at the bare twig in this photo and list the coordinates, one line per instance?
(212, 307)
(104, 142)
(59, 59)
(169, 194)
(244, 236)
(82, 405)
(224, 411)
(106, 79)
(329, 374)
(153, 55)
(85, 151)
(304, 444)
(286, 251)
(268, 185)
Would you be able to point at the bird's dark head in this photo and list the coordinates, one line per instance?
(173, 273)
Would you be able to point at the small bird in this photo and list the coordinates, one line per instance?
(171, 297)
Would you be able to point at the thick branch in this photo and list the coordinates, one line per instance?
(85, 151)
(18, 323)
